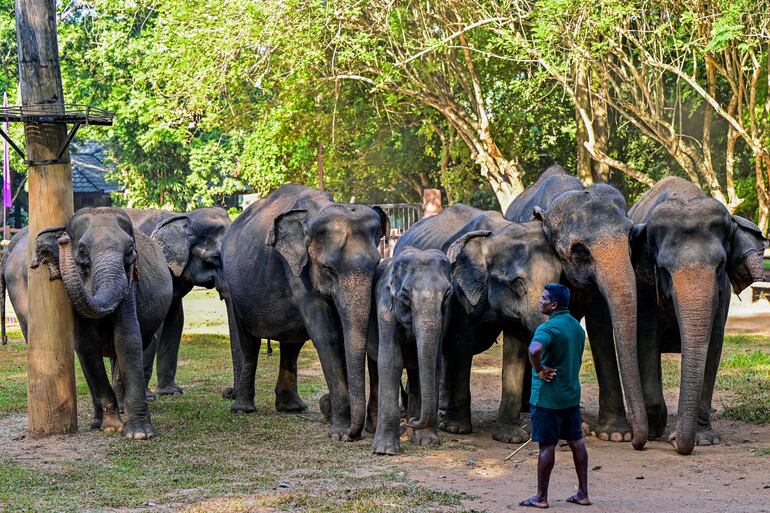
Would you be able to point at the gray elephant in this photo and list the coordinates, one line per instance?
(589, 230)
(499, 269)
(412, 300)
(298, 266)
(192, 245)
(687, 252)
(118, 281)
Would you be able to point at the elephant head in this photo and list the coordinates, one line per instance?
(95, 256)
(192, 244)
(589, 230)
(509, 268)
(420, 290)
(334, 253)
(690, 250)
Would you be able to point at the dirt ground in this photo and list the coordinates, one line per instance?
(720, 478)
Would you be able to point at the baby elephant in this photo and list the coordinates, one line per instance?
(412, 298)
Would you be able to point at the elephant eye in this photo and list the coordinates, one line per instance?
(82, 258)
(130, 257)
(519, 287)
(580, 252)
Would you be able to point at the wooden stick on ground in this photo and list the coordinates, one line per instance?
(517, 450)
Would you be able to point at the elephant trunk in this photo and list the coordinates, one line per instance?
(110, 282)
(617, 282)
(353, 304)
(694, 293)
(428, 336)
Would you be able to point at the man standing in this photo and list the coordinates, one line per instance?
(556, 352)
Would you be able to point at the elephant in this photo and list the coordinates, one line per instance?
(589, 230)
(118, 282)
(411, 304)
(298, 266)
(499, 269)
(192, 245)
(688, 250)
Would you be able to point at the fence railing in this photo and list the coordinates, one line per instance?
(402, 216)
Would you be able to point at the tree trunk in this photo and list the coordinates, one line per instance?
(51, 390)
(762, 169)
(320, 155)
(601, 170)
(582, 101)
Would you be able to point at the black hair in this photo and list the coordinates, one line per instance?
(559, 294)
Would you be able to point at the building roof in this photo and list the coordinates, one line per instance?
(89, 173)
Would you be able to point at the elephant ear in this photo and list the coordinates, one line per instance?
(384, 223)
(172, 235)
(47, 251)
(289, 237)
(641, 256)
(469, 267)
(745, 262)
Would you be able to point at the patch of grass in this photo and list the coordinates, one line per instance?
(748, 377)
(204, 451)
(761, 451)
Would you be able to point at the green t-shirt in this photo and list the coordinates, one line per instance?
(563, 340)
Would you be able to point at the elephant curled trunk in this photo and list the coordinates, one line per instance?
(617, 282)
(110, 282)
(694, 295)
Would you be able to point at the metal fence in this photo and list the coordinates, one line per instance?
(402, 216)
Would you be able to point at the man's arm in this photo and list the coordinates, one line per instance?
(535, 355)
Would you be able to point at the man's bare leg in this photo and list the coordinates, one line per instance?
(545, 461)
(580, 457)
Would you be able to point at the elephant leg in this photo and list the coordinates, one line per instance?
(374, 380)
(236, 354)
(428, 435)
(148, 356)
(168, 349)
(508, 427)
(648, 350)
(612, 423)
(244, 398)
(106, 411)
(705, 434)
(128, 349)
(390, 366)
(287, 397)
(457, 376)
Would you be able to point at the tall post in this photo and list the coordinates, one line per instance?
(51, 395)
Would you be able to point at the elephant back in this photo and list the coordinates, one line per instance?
(552, 183)
(433, 232)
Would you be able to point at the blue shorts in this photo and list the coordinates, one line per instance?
(549, 426)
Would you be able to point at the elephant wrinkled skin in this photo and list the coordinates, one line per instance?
(687, 250)
(298, 266)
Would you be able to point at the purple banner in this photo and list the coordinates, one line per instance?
(7, 198)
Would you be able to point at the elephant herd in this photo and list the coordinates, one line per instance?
(296, 266)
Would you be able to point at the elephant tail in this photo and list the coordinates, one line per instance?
(2, 297)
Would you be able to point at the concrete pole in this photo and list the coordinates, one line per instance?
(51, 395)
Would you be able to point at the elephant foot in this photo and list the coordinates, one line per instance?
(707, 437)
(243, 406)
(458, 425)
(342, 434)
(229, 393)
(111, 423)
(427, 436)
(510, 433)
(615, 429)
(171, 389)
(325, 405)
(386, 444)
(289, 403)
(149, 396)
(136, 429)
